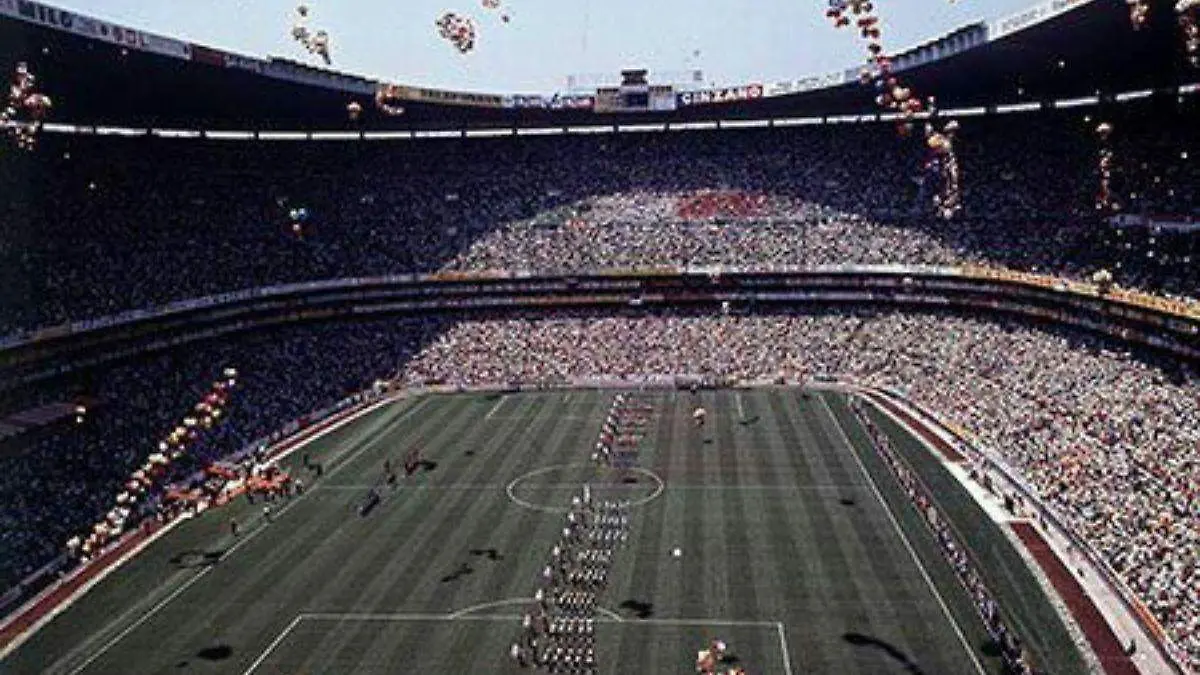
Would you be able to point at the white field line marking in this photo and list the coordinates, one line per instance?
(155, 609)
(466, 612)
(81, 591)
(133, 626)
(274, 643)
(462, 615)
(495, 407)
(450, 487)
(903, 538)
(564, 418)
(489, 605)
(783, 645)
(741, 411)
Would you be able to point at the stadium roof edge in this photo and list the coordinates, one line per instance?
(110, 75)
(281, 67)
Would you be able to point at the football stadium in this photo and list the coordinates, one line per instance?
(891, 368)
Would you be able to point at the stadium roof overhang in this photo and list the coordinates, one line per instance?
(102, 74)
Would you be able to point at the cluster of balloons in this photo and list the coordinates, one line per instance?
(315, 42)
(891, 94)
(386, 97)
(1104, 167)
(1189, 23)
(140, 486)
(24, 101)
(944, 164)
(298, 216)
(459, 30)
(1139, 12)
(494, 5)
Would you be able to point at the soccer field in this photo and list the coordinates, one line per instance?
(791, 553)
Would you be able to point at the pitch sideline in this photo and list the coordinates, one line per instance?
(178, 591)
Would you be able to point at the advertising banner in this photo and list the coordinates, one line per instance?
(245, 63)
(450, 97)
(810, 83)
(724, 95)
(60, 19)
(1027, 17)
(158, 44)
(208, 55)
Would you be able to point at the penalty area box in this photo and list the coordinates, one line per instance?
(367, 644)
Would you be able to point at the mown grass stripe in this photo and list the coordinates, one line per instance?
(427, 551)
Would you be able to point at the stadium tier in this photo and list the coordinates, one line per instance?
(852, 384)
(110, 225)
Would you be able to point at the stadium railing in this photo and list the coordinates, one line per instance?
(1164, 326)
(964, 442)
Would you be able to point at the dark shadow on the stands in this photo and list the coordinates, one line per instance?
(192, 559)
(860, 640)
(462, 571)
(215, 653)
(640, 609)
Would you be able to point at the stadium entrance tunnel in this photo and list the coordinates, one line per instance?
(551, 488)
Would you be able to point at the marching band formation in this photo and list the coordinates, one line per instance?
(622, 433)
(558, 634)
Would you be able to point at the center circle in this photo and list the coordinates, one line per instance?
(550, 488)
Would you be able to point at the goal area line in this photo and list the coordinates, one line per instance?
(776, 626)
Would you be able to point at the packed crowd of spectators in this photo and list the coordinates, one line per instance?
(96, 226)
(1108, 439)
(70, 476)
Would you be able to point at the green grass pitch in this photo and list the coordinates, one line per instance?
(789, 554)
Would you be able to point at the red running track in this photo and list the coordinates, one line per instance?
(59, 594)
(1104, 643)
(931, 439)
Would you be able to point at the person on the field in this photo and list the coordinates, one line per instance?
(699, 416)
(412, 461)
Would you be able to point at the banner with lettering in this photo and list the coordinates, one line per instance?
(724, 95)
(61, 19)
